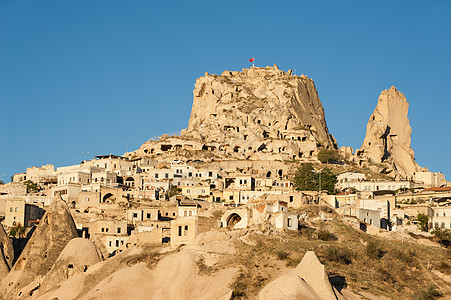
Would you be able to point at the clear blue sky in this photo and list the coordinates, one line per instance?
(82, 76)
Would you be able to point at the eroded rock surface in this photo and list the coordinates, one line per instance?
(258, 113)
(387, 139)
(6, 253)
(54, 231)
(309, 281)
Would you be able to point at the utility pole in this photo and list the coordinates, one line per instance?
(319, 195)
(126, 144)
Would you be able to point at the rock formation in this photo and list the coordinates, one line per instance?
(6, 253)
(387, 139)
(54, 231)
(309, 281)
(258, 113)
(78, 255)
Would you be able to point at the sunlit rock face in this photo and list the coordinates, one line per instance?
(256, 113)
(387, 139)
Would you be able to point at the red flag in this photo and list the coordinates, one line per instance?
(251, 59)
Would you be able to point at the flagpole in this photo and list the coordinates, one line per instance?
(253, 62)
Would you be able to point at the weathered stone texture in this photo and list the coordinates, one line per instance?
(54, 231)
(258, 113)
(387, 139)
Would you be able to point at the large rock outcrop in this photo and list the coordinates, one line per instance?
(54, 231)
(258, 114)
(387, 139)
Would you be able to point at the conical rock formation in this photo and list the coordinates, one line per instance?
(387, 139)
(54, 231)
(6, 253)
(309, 281)
(78, 255)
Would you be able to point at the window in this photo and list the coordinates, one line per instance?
(291, 198)
(117, 243)
(10, 209)
(231, 197)
(166, 175)
(185, 213)
(16, 209)
(443, 225)
(148, 216)
(103, 229)
(188, 191)
(190, 213)
(106, 229)
(180, 230)
(210, 174)
(186, 230)
(110, 243)
(156, 175)
(289, 222)
(135, 215)
(436, 225)
(118, 230)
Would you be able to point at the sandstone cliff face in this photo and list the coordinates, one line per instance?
(258, 114)
(387, 139)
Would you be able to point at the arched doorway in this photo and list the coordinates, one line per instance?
(108, 198)
(232, 220)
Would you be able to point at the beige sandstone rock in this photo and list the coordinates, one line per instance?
(6, 253)
(53, 233)
(387, 139)
(78, 255)
(308, 281)
(257, 114)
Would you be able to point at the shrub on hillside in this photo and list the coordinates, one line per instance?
(373, 251)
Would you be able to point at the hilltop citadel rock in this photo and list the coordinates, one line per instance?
(257, 114)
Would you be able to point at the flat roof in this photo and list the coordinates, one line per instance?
(110, 156)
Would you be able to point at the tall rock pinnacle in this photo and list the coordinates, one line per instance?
(387, 139)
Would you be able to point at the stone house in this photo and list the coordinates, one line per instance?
(17, 211)
(183, 231)
(441, 217)
(369, 216)
(285, 221)
(194, 192)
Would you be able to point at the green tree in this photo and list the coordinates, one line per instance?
(1, 182)
(423, 221)
(18, 230)
(328, 156)
(32, 187)
(443, 235)
(328, 180)
(305, 178)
